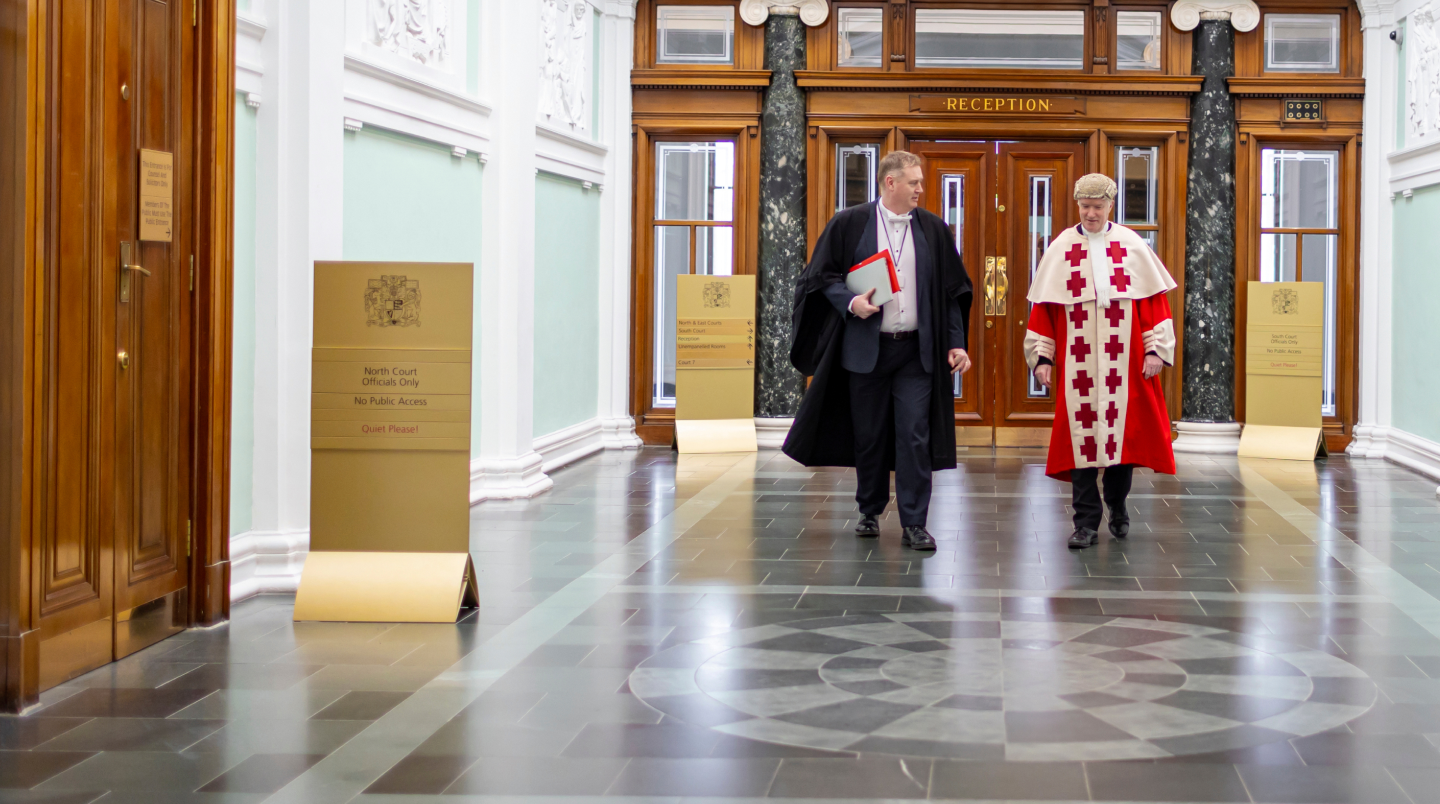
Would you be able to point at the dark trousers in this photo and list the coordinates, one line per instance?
(1085, 495)
(899, 385)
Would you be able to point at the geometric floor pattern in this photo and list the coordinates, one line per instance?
(658, 628)
(1003, 687)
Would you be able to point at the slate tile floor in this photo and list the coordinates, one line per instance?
(657, 628)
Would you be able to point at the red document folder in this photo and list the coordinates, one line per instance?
(877, 272)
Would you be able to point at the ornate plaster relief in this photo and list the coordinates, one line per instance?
(1422, 76)
(566, 50)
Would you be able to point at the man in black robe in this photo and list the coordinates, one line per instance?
(881, 397)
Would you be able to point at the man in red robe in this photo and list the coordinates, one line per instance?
(1100, 332)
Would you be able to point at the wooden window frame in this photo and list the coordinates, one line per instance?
(1250, 45)
(1337, 428)
(1112, 34)
(832, 26)
(1087, 48)
(655, 425)
(749, 45)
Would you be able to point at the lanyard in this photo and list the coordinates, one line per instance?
(885, 227)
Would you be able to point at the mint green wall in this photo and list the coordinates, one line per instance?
(567, 309)
(242, 366)
(1416, 294)
(408, 199)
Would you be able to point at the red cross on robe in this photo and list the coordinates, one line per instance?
(1079, 350)
(1082, 382)
(1110, 447)
(1116, 251)
(1114, 348)
(1120, 280)
(1076, 284)
(1088, 448)
(1087, 416)
(1075, 255)
(1116, 314)
(1078, 316)
(1111, 414)
(1113, 381)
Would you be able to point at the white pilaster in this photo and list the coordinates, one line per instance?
(617, 57)
(1373, 359)
(298, 220)
(507, 464)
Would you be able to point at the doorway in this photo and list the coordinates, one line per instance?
(1004, 202)
(116, 477)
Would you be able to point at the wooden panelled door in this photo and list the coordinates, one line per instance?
(1004, 201)
(113, 547)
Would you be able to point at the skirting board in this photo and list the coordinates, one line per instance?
(1411, 451)
(377, 587)
(266, 562)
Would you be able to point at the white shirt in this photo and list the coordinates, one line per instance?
(1099, 264)
(900, 314)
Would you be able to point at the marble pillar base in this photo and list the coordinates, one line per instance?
(770, 433)
(1215, 438)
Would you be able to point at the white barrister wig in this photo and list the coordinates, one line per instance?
(1095, 185)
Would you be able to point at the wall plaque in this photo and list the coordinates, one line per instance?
(389, 443)
(157, 195)
(982, 103)
(1304, 111)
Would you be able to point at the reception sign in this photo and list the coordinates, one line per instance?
(1284, 370)
(715, 364)
(389, 443)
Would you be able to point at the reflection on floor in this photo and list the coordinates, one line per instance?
(663, 627)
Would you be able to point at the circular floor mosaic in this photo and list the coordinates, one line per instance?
(986, 686)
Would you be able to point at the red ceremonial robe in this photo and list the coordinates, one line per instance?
(1106, 412)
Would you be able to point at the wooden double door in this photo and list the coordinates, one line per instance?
(1004, 201)
(114, 424)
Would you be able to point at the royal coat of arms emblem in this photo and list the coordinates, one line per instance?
(1286, 301)
(392, 301)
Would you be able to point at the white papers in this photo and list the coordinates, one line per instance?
(873, 273)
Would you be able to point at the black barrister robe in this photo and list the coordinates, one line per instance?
(823, 434)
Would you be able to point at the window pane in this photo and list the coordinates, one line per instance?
(695, 34)
(960, 37)
(1302, 43)
(855, 172)
(714, 251)
(1136, 180)
(1277, 257)
(694, 181)
(1041, 223)
(860, 37)
(672, 258)
(1137, 40)
(1298, 189)
(952, 211)
(1317, 264)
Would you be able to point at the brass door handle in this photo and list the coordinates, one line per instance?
(1002, 286)
(124, 358)
(126, 268)
(989, 286)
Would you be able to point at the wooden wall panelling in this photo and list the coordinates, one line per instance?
(19, 642)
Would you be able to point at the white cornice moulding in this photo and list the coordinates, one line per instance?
(385, 113)
(1244, 15)
(559, 135)
(253, 27)
(252, 99)
(416, 85)
(811, 12)
(1415, 167)
(352, 125)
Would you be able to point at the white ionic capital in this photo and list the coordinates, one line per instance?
(811, 12)
(1244, 15)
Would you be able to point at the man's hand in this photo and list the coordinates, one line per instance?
(1042, 373)
(1153, 365)
(861, 306)
(959, 361)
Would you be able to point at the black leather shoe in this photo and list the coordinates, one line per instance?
(1083, 537)
(1119, 525)
(917, 539)
(869, 526)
